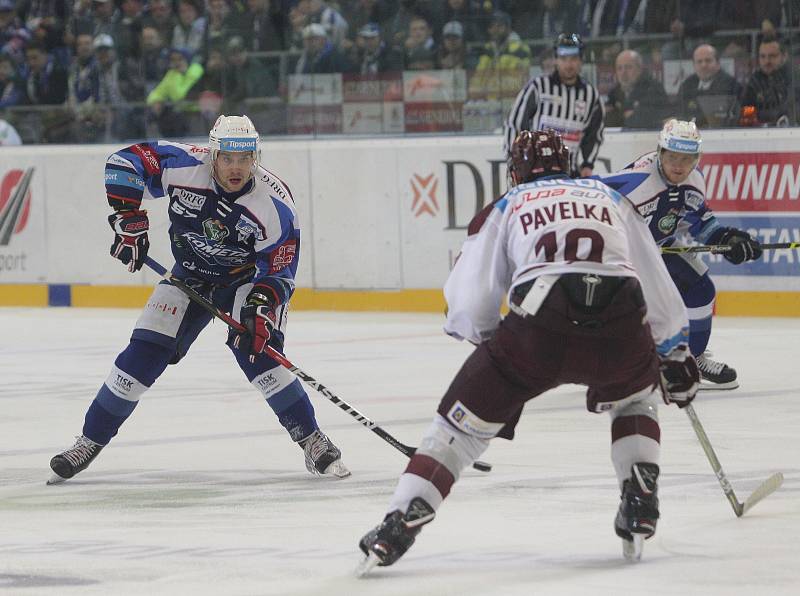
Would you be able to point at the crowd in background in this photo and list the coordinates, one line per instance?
(113, 67)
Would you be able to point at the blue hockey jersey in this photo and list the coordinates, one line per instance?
(675, 214)
(215, 236)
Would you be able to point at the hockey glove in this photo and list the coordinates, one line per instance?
(743, 246)
(130, 237)
(258, 316)
(680, 377)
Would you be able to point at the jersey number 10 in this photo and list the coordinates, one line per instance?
(572, 242)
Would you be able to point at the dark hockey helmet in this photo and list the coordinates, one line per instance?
(568, 44)
(537, 154)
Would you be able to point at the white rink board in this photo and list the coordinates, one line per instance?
(386, 213)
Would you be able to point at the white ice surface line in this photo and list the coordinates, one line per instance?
(202, 493)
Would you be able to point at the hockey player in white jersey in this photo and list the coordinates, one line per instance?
(668, 190)
(235, 237)
(591, 303)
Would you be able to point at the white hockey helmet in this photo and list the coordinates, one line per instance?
(235, 134)
(680, 136)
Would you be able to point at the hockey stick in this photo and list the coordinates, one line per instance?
(722, 248)
(766, 488)
(283, 361)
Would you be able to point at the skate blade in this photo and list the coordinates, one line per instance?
(337, 469)
(367, 565)
(710, 386)
(632, 549)
(55, 479)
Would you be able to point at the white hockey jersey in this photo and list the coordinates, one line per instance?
(558, 225)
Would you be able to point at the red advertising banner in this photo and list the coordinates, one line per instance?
(433, 117)
(752, 181)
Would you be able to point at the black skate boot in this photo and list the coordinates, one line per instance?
(75, 459)
(322, 456)
(389, 541)
(715, 375)
(638, 511)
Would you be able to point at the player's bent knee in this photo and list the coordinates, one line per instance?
(453, 448)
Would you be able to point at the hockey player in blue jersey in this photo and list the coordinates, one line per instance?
(235, 237)
(668, 190)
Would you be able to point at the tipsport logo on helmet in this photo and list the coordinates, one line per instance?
(15, 203)
(683, 146)
(237, 144)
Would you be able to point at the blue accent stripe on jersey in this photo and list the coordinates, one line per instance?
(666, 346)
(624, 183)
(706, 232)
(502, 204)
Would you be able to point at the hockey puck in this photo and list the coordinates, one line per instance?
(482, 466)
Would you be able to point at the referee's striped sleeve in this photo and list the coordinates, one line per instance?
(524, 108)
(593, 133)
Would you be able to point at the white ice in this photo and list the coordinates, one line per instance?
(202, 492)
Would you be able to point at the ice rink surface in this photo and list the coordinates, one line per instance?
(203, 493)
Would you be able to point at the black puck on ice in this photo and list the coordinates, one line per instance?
(482, 466)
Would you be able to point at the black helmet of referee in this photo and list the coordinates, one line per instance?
(568, 44)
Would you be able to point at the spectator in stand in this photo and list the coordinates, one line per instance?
(359, 13)
(159, 15)
(637, 100)
(45, 81)
(373, 55)
(216, 34)
(297, 22)
(319, 54)
(84, 91)
(190, 30)
(103, 15)
(321, 12)
(554, 17)
(504, 51)
(79, 21)
(453, 52)
(398, 28)
(171, 101)
(45, 19)
(419, 45)
(153, 63)
(127, 29)
(769, 88)
(710, 96)
(609, 18)
(212, 85)
(113, 111)
(261, 26)
(10, 83)
(13, 34)
(245, 77)
(468, 14)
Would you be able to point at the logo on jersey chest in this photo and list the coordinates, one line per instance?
(647, 208)
(668, 223)
(693, 200)
(214, 230)
(247, 228)
(186, 202)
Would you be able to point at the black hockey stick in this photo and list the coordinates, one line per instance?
(766, 488)
(283, 361)
(721, 248)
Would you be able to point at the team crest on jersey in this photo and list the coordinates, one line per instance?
(693, 200)
(214, 230)
(668, 223)
(247, 228)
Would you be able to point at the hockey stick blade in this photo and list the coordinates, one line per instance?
(765, 489)
(286, 363)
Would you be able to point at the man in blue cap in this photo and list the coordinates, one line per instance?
(565, 102)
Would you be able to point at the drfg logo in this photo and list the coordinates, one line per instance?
(15, 203)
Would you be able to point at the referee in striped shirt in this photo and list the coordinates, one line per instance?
(565, 102)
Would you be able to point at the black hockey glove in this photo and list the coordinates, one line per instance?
(258, 316)
(744, 247)
(130, 237)
(680, 377)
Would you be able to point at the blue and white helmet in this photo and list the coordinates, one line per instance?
(680, 136)
(235, 134)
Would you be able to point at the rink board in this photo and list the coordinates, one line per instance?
(382, 219)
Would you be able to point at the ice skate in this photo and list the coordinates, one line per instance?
(638, 511)
(322, 456)
(715, 375)
(389, 541)
(75, 459)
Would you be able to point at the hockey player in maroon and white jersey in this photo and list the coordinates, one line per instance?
(591, 303)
